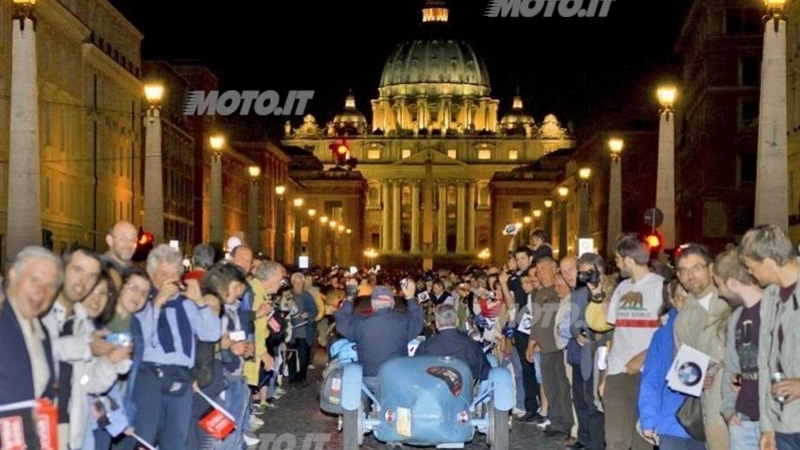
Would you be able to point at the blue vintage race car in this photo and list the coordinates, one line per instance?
(421, 401)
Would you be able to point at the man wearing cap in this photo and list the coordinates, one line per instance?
(385, 333)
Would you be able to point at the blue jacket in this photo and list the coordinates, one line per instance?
(658, 404)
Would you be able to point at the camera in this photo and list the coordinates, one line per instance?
(285, 283)
(589, 277)
(404, 283)
(423, 296)
(490, 295)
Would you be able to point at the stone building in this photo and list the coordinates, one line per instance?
(431, 148)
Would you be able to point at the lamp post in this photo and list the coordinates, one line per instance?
(153, 163)
(583, 216)
(217, 143)
(615, 146)
(323, 221)
(772, 179)
(665, 178)
(24, 226)
(537, 215)
(253, 208)
(332, 236)
(280, 229)
(298, 222)
(548, 219)
(526, 230)
(484, 256)
(311, 242)
(562, 221)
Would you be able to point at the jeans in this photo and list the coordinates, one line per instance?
(745, 435)
(237, 402)
(518, 381)
(788, 441)
(676, 443)
(529, 373)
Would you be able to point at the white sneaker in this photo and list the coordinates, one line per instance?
(280, 391)
(250, 440)
(255, 423)
(516, 412)
(311, 367)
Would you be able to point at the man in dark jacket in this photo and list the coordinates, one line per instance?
(385, 333)
(449, 341)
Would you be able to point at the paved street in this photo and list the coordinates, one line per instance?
(298, 413)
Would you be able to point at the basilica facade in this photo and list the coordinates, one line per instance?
(432, 149)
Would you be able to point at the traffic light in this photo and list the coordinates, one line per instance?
(340, 152)
(654, 243)
(341, 155)
(144, 244)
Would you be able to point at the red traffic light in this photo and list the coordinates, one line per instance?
(653, 241)
(146, 238)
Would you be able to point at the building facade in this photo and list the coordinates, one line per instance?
(793, 117)
(88, 64)
(431, 148)
(720, 45)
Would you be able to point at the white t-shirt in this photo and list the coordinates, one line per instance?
(634, 313)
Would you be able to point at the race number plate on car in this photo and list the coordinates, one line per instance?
(404, 422)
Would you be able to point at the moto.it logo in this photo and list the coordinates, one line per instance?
(548, 8)
(266, 103)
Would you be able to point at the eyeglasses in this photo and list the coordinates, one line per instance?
(694, 270)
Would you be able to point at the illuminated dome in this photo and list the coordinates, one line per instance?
(435, 63)
(517, 121)
(351, 121)
(434, 84)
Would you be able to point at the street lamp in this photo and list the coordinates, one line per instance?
(280, 228)
(665, 175)
(253, 208)
(583, 215)
(484, 256)
(772, 177)
(548, 218)
(153, 164)
(298, 222)
(217, 143)
(563, 191)
(615, 146)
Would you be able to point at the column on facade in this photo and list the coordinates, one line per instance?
(467, 113)
(377, 114)
(445, 114)
(396, 217)
(415, 222)
(493, 115)
(461, 205)
(399, 111)
(441, 220)
(422, 113)
(386, 228)
(471, 216)
(387, 117)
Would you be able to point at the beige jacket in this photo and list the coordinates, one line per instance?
(706, 331)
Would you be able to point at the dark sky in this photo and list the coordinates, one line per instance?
(593, 72)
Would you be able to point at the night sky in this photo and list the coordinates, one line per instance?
(593, 72)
